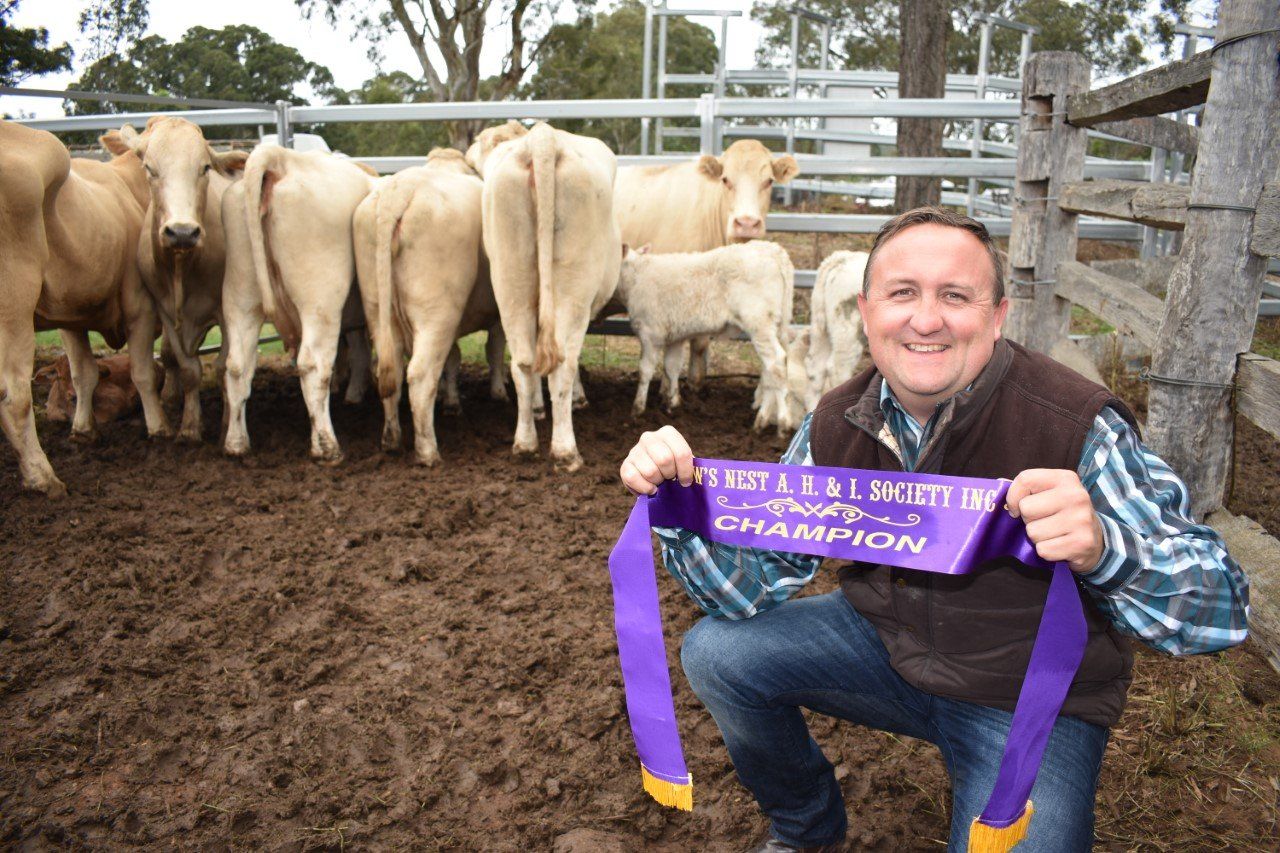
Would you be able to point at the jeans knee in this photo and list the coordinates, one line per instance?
(705, 655)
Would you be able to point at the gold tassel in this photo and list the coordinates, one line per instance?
(992, 839)
(671, 794)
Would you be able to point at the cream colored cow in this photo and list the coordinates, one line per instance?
(700, 205)
(68, 248)
(554, 253)
(290, 259)
(835, 342)
(181, 253)
(424, 282)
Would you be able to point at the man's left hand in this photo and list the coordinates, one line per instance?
(1059, 516)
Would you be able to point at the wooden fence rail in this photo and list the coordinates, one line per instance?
(1230, 219)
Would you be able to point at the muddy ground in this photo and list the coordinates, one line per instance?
(200, 653)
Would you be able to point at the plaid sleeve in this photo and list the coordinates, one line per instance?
(735, 582)
(1162, 578)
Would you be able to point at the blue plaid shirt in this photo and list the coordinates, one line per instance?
(1161, 579)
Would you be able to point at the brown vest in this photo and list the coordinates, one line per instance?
(969, 637)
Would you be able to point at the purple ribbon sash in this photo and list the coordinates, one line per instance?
(925, 522)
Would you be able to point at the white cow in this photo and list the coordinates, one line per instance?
(835, 344)
(699, 205)
(424, 282)
(182, 250)
(675, 297)
(290, 258)
(554, 253)
(68, 260)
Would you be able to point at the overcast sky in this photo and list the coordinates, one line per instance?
(340, 51)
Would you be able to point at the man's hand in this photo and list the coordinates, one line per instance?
(657, 456)
(1059, 516)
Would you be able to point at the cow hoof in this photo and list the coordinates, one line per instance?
(427, 460)
(188, 437)
(235, 452)
(52, 488)
(525, 454)
(451, 408)
(392, 446)
(328, 460)
(85, 436)
(499, 395)
(539, 413)
(580, 403)
(165, 433)
(567, 463)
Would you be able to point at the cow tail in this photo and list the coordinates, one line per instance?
(543, 153)
(390, 204)
(261, 172)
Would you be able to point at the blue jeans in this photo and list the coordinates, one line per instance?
(820, 653)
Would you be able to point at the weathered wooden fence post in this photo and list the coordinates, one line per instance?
(1212, 302)
(1050, 154)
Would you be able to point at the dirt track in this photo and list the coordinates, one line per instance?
(275, 655)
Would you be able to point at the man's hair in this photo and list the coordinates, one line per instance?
(938, 216)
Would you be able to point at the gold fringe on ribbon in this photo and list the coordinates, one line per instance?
(992, 839)
(670, 794)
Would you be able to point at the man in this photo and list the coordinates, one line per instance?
(942, 657)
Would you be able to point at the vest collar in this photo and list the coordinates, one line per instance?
(955, 413)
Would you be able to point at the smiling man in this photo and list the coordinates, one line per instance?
(942, 657)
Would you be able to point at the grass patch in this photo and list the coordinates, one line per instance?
(53, 340)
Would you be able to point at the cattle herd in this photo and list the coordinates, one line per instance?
(525, 236)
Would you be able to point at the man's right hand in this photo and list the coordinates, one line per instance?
(657, 456)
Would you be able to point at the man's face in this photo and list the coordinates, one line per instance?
(929, 315)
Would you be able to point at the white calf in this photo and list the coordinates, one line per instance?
(836, 341)
(673, 298)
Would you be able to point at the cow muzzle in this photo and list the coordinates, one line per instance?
(748, 227)
(180, 235)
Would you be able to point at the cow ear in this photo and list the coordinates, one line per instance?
(644, 250)
(710, 166)
(516, 129)
(229, 162)
(133, 139)
(785, 168)
(113, 144)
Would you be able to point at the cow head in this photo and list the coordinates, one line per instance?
(747, 172)
(489, 139)
(178, 161)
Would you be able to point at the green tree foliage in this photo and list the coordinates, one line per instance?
(25, 51)
(385, 138)
(107, 25)
(599, 56)
(1110, 33)
(236, 63)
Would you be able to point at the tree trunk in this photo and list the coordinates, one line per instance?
(922, 73)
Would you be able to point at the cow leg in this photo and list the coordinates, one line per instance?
(699, 358)
(189, 431)
(141, 313)
(571, 321)
(359, 362)
(432, 348)
(494, 349)
(539, 404)
(242, 324)
(316, 353)
(521, 337)
(579, 393)
(171, 387)
(17, 416)
(84, 379)
(452, 405)
(773, 377)
(671, 364)
(648, 363)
